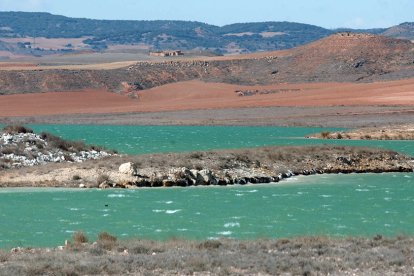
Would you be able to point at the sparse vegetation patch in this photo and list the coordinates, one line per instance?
(294, 256)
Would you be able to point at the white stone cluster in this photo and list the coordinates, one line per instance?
(33, 150)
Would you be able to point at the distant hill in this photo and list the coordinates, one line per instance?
(403, 31)
(165, 34)
(235, 38)
(342, 57)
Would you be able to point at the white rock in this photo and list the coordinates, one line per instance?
(128, 168)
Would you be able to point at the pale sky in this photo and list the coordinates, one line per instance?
(324, 13)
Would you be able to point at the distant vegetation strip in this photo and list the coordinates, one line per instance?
(167, 34)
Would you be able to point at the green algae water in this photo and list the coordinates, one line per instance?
(156, 139)
(334, 205)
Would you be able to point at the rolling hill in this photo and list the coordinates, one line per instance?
(342, 57)
(98, 35)
(161, 34)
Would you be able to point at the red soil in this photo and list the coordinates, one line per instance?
(199, 95)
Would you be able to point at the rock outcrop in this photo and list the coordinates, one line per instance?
(30, 149)
(128, 169)
(259, 165)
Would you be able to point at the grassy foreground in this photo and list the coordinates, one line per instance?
(295, 256)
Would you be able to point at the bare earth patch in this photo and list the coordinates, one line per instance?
(197, 95)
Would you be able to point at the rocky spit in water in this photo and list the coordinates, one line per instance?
(392, 132)
(20, 147)
(225, 167)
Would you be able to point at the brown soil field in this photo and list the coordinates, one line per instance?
(22, 66)
(50, 43)
(197, 95)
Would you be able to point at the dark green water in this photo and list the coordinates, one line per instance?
(336, 205)
(151, 139)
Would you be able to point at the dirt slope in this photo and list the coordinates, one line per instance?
(193, 95)
(338, 58)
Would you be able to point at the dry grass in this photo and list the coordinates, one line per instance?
(296, 256)
(284, 157)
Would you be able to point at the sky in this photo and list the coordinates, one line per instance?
(325, 13)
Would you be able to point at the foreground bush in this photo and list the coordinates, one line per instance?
(296, 256)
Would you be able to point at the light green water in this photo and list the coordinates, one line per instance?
(151, 139)
(336, 205)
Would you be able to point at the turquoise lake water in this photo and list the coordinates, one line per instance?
(151, 139)
(337, 205)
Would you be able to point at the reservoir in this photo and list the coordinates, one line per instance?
(334, 205)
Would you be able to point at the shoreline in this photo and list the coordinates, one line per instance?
(325, 116)
(227, 167)
(403, 132)
(283, 181)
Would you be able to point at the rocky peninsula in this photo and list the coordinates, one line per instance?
(69, 166)
(392, 132)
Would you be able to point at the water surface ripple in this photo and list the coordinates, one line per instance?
(337, 205)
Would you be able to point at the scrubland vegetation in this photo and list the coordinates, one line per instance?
(295, 256)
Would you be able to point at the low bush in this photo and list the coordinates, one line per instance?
(57, 142)
(325, 134)
(107, 241)
(14, 129)
(80, 238)
(4, 256)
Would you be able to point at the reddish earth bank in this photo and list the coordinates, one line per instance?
(200, 95)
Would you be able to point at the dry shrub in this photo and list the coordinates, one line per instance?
(80, 238)
(14, 129)
(4, 256)
(196, 155)
(210, 244)
(107, 241)
(325, 134)
(75, 146)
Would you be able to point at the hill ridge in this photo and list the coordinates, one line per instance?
(174, 34)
